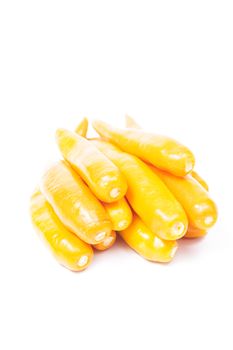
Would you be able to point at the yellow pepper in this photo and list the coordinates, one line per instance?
(119, 213)
(199, 207)
(102, 176)
(74, 203)
(65, 246)
(151, 247)
(132, 124)
(161, 151)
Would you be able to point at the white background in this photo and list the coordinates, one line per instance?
(170, 65)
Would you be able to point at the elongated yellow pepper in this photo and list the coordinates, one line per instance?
(119, 213)
(65, 246)
(199, 207)
(74, 203)
(161, 151)
(102, 176)
(140, 238)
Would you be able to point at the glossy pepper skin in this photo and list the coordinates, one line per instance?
(119, 213)
(161, 151)
(82, 127)
(194, 232)
(101, 175)
(140, 238)
(107, 242)
(68, 249)
(148, 195)
(74, 203)
(199, 207)
(131, 123)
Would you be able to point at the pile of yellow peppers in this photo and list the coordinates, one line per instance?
(128, 181)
